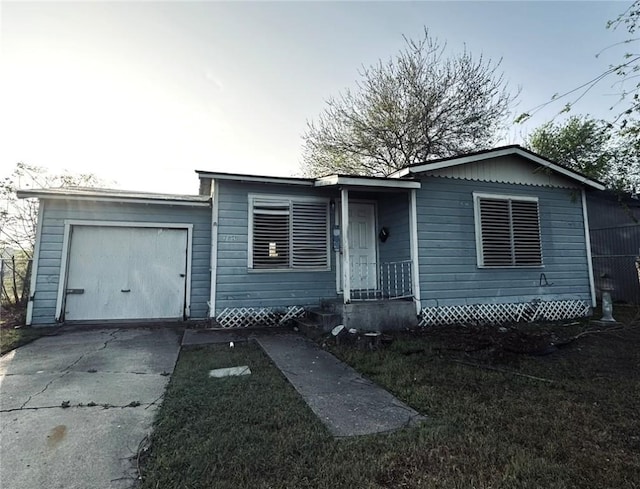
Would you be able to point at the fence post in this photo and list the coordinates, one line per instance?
(2, 278)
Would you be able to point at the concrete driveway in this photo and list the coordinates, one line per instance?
(111, 379)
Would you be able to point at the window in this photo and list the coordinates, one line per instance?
(507, 231)
(288, 233)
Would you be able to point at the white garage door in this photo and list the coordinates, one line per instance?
(126, 273)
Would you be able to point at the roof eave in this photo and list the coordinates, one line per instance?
(462, 160)
(371, 182)
(192, 202)
(238, 177)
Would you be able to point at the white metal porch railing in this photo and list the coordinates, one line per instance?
(372, 281)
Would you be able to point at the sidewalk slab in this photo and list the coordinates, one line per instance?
(347, 403)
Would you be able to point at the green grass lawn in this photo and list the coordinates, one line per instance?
(487, 429)
(11, 338)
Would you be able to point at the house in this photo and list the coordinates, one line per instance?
(614, 227)
(493, 236)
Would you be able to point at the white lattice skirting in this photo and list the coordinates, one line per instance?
(504, 313)
(245, 317)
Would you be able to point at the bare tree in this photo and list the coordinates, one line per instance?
(17, 216)
(18, 220)
(416, 106)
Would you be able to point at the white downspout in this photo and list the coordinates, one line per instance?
(587, 239)
(214, 247)
(346, 276)
(413, 243)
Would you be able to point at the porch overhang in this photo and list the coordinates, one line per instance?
(366, 182)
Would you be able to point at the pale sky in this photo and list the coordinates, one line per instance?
(144, 93)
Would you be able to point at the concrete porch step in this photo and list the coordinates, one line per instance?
(325, 320)
(308, 328)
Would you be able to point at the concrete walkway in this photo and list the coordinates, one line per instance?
(112, 382)
(347, 403)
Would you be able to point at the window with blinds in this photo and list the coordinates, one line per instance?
(289, 233)
(507, 231)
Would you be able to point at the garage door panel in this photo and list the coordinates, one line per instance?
(126, 273)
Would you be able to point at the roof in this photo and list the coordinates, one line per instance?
(113, 195)
(240, 177)
(515, 149)
(325, 181)
(359, 181)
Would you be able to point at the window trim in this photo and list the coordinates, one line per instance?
(286, 198)
(478, 229)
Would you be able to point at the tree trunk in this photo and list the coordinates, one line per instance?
(26, 282)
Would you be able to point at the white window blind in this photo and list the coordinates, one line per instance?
(289, 234)
(509, 232)
(271, 234)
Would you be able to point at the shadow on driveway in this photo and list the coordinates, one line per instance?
(111, 380)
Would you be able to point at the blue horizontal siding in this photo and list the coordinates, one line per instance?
(50, 259)
(237, 286)
(393, 214)
(449, 274)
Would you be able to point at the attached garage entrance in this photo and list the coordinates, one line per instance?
(121, 272)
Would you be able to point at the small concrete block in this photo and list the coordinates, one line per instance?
(230, 372)
(604, 323)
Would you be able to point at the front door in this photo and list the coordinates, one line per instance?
(362, 246)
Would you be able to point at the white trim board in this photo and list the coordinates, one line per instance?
(66, 240)
(413, 246)
(587, 238)
(214, 248)
(307, 182)
(34, 264)
(23, 194)
(344, 224)
(333, 180)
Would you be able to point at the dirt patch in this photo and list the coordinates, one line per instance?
(56, 436)
(12, 316)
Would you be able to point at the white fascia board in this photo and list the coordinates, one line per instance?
(23, 194)
(257, 179)
(403, 172)
(463, 160)
(333, 180)
(34, 264)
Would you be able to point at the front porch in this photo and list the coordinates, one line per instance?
(375, 241)
(374, 238)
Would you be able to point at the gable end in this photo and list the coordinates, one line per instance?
(506, 169)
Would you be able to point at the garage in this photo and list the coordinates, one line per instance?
(116, 271)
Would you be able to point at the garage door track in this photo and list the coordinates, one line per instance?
(75, 407)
